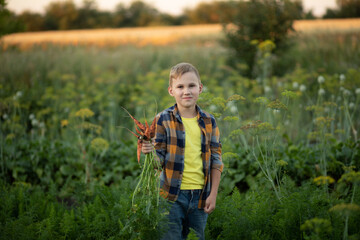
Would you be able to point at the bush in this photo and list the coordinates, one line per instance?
(260, 20)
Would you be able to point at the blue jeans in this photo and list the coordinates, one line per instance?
(185, 214)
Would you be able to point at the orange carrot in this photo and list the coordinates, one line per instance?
(139, 124)
(145, 132)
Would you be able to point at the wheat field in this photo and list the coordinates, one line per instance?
(152, 35)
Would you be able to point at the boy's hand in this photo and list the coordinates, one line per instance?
(147, 146)
(210, 203)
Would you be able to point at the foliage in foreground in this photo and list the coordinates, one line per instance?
(315, 210)
(103, 213)
(301, 214)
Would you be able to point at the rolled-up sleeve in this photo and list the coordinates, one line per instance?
(215, 148)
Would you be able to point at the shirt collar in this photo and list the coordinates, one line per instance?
(175, 111)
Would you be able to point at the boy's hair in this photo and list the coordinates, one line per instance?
(181, 68)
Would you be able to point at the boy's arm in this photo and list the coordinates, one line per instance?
(216, 168)
(215, 148)
(211, 200)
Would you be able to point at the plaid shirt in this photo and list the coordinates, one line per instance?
(170, 148)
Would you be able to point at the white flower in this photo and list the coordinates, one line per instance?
(34, 122)
(276, 111)
(19, 94)
(279, 84)
(338, 99)
(302, 88)
(212, 108)
(346, 92)
(357, 91)
(295, 85)
(5, 116)
(267, 89)
(321, 79)
(42, 125)
(341, 89)
(66, 109)
(233, 109)
(342, 78)
(351, 105)
(321, 91)
(31, 116)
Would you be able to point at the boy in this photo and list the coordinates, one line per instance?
(189, 149)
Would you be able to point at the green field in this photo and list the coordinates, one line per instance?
(68, 165)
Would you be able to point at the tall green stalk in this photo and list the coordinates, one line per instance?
(148, 186)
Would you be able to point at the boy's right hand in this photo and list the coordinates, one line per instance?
(147, 146)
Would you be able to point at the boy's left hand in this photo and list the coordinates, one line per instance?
(210, 204)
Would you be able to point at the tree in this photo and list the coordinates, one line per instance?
(141, 14)
(8, 21)
(60, 15)
(349, 8)
(260, 20)
(309, 15)
(213, 12)
(346, 9)
(87, 15)
(90, 17)
(32, 21)
(137, 14)
(120, 18)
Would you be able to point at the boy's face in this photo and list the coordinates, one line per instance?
(186, 90)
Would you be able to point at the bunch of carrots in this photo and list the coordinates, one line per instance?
(148, 187)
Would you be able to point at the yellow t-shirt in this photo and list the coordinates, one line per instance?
(193, 176)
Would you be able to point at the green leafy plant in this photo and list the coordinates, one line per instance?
(260, 20)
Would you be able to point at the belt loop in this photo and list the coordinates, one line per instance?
(192, 194)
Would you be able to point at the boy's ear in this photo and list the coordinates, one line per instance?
(170, 91)
(201, 88)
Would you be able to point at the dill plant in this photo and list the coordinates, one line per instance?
(348, 183)
(85, 131)
(332, 118)
(265, 138)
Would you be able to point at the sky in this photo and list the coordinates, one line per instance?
(174, 7)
